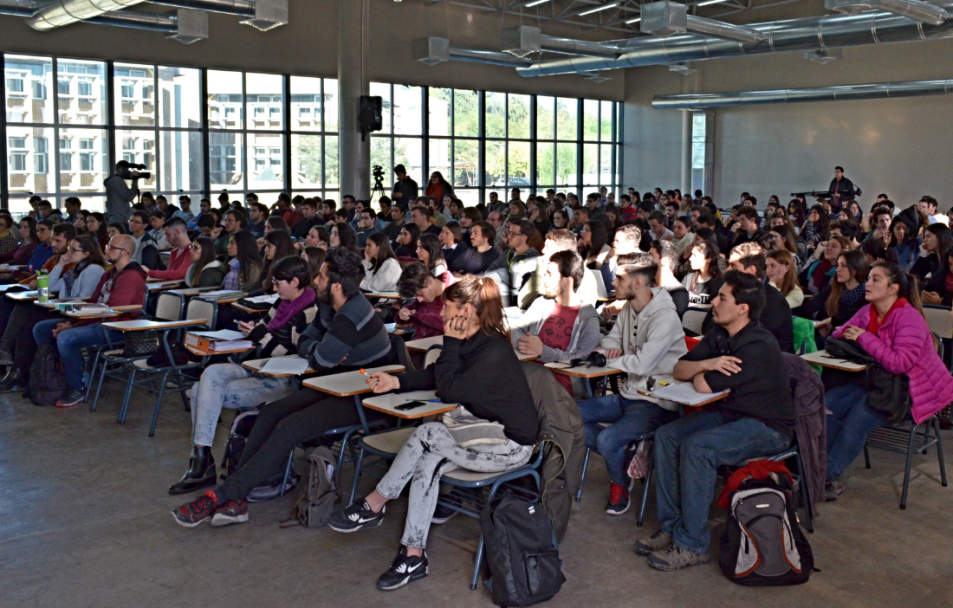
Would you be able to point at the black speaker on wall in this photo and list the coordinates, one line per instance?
(370, 115)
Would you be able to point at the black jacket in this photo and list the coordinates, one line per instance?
(408, 190)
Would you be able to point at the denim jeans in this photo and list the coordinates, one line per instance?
(848, 425)
(628, 419)
(688, 453)
(429, 453)
(70, 344)
(230, 386)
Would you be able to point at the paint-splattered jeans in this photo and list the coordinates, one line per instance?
(231, 386)
(429, 453)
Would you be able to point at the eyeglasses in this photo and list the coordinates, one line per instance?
(194, 247)
(140, 222)
(114, 248)
(77, 249)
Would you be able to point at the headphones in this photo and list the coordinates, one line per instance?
(595, 359)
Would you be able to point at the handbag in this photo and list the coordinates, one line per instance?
(886, 393)
(140, 344)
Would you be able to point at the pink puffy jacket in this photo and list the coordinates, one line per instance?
(903, 345)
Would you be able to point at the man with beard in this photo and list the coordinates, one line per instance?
(346, 335)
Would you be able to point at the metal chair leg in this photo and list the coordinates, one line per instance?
(186, 404)
(645, 490)
(92, 376)
(906, 470)
(125, 399)
(99, 385)
(939, 450)
(866, 456)
(805, 495)
(284, 480)
(582, 481)
(155, 413)
(357, 475)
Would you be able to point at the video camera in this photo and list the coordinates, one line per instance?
(132, 171)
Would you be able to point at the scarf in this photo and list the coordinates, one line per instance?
(684, 242)
(875, 321)
(289, 308)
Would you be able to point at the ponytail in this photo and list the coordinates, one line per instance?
(909, 286)
(484, 295)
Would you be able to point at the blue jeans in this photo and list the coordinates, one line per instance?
(688, 453)
(70, 344)
(848, 425)
(628, 418)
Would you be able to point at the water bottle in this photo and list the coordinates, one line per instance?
(43, 287)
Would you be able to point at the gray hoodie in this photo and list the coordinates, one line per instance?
(652, 342)
(585, 331)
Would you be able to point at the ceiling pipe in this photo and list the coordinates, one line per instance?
(720, 29)
(809, 34)
(578, 47)
(183, 25)
(228, 7)
(664, 18)
(18, 8)
(882, 90)
(64, 12)
(917, 10)
(488, 57)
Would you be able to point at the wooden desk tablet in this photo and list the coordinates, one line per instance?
(256, 365)
(348, 384)
(582, 371)
(24, 296)
(253, 311)
(146, 324)
(388, 402)
(825, 360)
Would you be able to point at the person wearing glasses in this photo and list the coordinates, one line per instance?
(124, 285)
(147, 250)
(179, 260)
(233, 221)
(206, 270)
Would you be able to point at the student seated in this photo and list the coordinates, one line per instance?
(124, 285)
(892, 330)
(478, 257)
(418, 283)
(755, 420)
(231, 386)
(645, 342)
(476, 347)
(780, 268)
(430, 253)
(557, 240)
(206, 270)
(345, 335)
(381, 268)
(776, 313)
(517, 262)
(559, 326)
(704, 282)
(454, 244)
(843, 297)
(665, 255)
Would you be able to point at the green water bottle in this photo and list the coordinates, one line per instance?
(43, 287)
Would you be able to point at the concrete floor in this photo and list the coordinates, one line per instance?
(84, 522)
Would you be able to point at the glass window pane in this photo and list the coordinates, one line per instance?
(566, 111)
(545, 164)
(136, 147)
(90, 203)
(330, 105)
(226, 160)
(590, 121)
(440, 103)
(382, 90)
(135, 100)
(518, 166)
(332, 173)
(408, 118)
(29, 83)
(618, 165)
(225, 101)
(305, 105)
(545, 117)
(466, 162)
(518, 116)
(265, 97)
(466, 114)
(590, 164)
(408, 151)
(180, 160)
(380, 155)
(566, 164)
(605, 164)
(81, 92)
(89, 149)
(30, 160)
(180, 98)
(439, 159)
(265, 161)
(495, 163)
(306, 161)
(605, 120)
(470, 198)
(495, 115)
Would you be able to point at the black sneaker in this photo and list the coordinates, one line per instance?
(358, 515)
(442, 515)
(232, 512)
(71, 397)
(618, 499)
(405, 569)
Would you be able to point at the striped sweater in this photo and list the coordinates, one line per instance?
(353, 336)
(283, 341)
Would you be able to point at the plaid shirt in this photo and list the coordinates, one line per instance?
(231, 279)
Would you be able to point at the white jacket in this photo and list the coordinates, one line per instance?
(385, 279)
(651, 341)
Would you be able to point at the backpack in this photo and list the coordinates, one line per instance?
(47, 380)
(521, 553)
(315, 505)
(763, 544)
(237, 436)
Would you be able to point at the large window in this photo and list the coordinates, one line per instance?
(314, 142)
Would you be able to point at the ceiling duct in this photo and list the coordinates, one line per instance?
(431, 50)
(924, 12)
(18, 8)
(808, 34)
(520, 40)
(262, 14)
(434, 50)
(269, 14)
(185, 26)
(64, 12)
(884, 90)
(665, 18)
(523, 40)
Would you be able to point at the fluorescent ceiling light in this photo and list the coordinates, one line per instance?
(631, 21)
(602, 7)
(710, 2)
(535, 3)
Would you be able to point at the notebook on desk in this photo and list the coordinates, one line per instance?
(685, 394)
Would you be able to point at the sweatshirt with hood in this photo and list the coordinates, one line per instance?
(126, 287)
(652, 342)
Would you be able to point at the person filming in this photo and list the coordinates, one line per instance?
(119, 195)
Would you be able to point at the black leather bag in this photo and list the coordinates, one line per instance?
(140, 343)
(887, 393)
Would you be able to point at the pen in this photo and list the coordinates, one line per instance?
(427, 400)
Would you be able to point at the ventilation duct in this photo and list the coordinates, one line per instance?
(18, 8)
(663, 19)
(185, 26)
(434, 50)
(520, 40)
(852, 92)
(64, 12)
(923, 12)
(523, 40)
(228, 7)
(809, 34)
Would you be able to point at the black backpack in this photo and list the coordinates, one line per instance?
(521, 553)
(47, 380)
(237, 436)
(763, 544)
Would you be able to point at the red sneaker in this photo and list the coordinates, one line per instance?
(195, 512)
(232, 512)
(618, 499)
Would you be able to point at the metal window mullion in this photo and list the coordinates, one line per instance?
(425, 135)
(324, 135)
(206, 142)
(244, 132)
(110, 121)
(156, 153)
(620, 147)
(532, 143)
(481, 139)
(580, 119)
(285, 132)
(5, 165)
(56, 130)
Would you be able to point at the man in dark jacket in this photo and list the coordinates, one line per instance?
(119, 196)
(405, 188)
(841, 190)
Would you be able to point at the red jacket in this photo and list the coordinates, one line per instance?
(179, 262)
(123, 288)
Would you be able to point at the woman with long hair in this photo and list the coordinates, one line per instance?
(904, 242)
(451, 238)
(788, 242)
(315, 257)
(206, 270)
(244, 264)
(278, 246)
(80, 222)
(684, 238)
(538, 214)
(28, 242)
(97, 227)
(891, 329)
(821, 266)
(937, 242)
(844, 296)
(342, 235)
(938, 289)
(113, 229)
(593, 244)
(405, 246)
(476, 347)
(430, 253)
(705, 279)
(381, 268)
(438, 187)
(780, 270)
(561, 219)
(275, 222)
(817, 228)
(854, 212)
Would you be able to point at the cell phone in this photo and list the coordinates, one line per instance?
(410, 405)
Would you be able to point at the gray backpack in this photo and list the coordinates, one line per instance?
(315, 505)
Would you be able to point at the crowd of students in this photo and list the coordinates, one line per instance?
(522, 277)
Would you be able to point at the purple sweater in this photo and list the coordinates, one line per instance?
(903, 345)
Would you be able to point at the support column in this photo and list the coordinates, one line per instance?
(686, 153)
(354, 155)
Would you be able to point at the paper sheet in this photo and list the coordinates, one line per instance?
(685, 394)
(270, 299)
(285, 365)
(223, 334)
